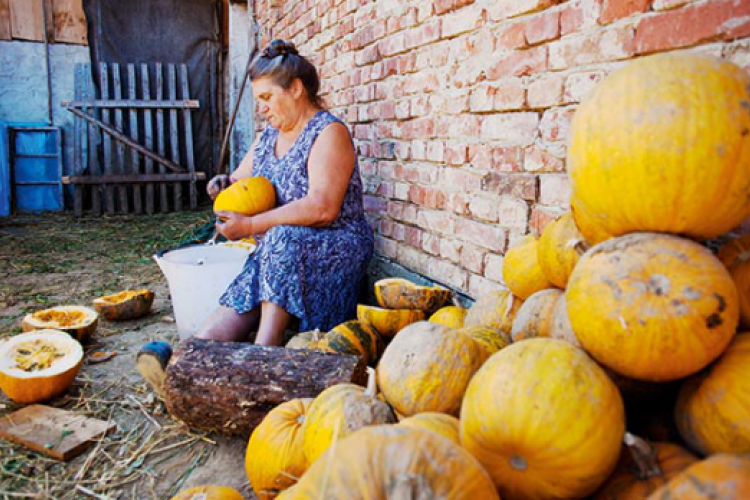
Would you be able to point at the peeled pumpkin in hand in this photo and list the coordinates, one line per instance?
(248, 196)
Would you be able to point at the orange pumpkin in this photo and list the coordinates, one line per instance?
(643, 468)
(275, 458)
(441, 423)
(129, 304)
(249, 196)
(494, 310)
(535, 316)
(665, 307)
(722, 476)
(77, 321)
(560, 247)
(356, 338)
(209, 493)
(394, 462)
(544, 420)
(521, 271)
(426, 367)
(629, 166)
(713, 409)
(736, 257)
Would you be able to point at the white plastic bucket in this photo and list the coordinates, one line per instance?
(197, 276)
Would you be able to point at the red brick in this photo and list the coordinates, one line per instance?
(609, 45)
(512, 37)
(520, 63)
(448, 273)
(578, 86)
(398, 232)
(669, 4)
(479, 286)
(458, 126)
(554, 190)
(423, 34)
(472, 258)
(725, 19)
(450, 249)
(463, 21)
(511, 96)
(385, 246)
(443, 6)
(612, 10)
(542, 27)
(414, 237)
(539, 160)
(458, 204)
(487, 236)
(507, 159)
(555, 124)
(482, 98)
(484, 208)
(463, 179)
(431, 243)
(541, 216)
(455, 154)
(512, 129)
(493, 267)
(437, 221)
(504, 9)
(519, 185)
(545, 92)
(513, 213)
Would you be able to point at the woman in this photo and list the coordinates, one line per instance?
(314, 247)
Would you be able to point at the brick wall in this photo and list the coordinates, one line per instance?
(460, 109)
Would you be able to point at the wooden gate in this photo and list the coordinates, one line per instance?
(130, 145)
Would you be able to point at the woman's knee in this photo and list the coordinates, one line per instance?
(227, 325)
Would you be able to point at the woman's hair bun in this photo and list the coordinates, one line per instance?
(279, 48)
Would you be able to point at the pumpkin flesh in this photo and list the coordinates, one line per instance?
(77, 321)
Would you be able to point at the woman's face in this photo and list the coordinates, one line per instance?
(280, 106)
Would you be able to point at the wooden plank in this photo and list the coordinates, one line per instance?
(121, 161)
(78, 125)
(5, 29)
(61, 434)
(148, 136)
(174, 134)
(26, 21)
(188, 122)
(134, 157)
(70, 22)
(160, 138)
(94, 139)
(132, 178)
(120, 136)
(109, 189)
(134, 103)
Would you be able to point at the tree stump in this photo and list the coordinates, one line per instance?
(229, 387)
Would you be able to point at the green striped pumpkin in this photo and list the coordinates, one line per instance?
(353, 337)
(490, 339)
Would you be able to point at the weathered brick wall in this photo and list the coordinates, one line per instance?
(461, 108)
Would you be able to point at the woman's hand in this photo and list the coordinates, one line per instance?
(233, 225)
(217, 184)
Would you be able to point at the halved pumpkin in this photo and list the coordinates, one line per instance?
(388, 322)
(399, 293)
(129, 304)
(39, 365)
(450, 316)
(77, 321)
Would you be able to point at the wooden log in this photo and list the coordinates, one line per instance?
(229, 386)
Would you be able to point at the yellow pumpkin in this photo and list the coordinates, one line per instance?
(586, 226)
(388, 322)
(495, 310)
(713, 409)
(652, 306)
(450, 316)
(561, 327)
(39, 365)
(275, 458)
(521, 271)
(661, 145)
(560, 247)
(339, 411)
(249, 196)
(544, 420)
(426, 367)
(536, 315)
(394, 462)
(78, 321)
(736, 257)
(312, 340)
(399, 293)
(441, 423)
(492, 340)
(721, 476)
(209, 493)
(129, 304)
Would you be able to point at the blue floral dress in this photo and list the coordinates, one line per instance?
(313, 273)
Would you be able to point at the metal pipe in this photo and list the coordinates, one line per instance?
(50, 119)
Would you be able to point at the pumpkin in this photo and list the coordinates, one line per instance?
(78, 321)
(388, 322)
(312, 340)
(535, 316)
(736, 257)
(722, 476)
(450, 316)
(129, 304)
(248, 196)
(427, 367)
(713, 408)
(209, 493)
(494, 310)
(544, 420)
(521, 271)
(394, 462)
(643, 468)
(490, 339)
(629, 166)
(399, 293)
(560, 247)
(39, 365)
(339, 411)
(275, 455)
(357, 338)
(586, 226)
(665, 307)
(560, 328)
(441, 423)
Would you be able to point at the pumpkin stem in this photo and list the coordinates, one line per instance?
(644, 456)
(509, 304)
(372, 383)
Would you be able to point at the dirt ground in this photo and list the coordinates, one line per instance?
(58, 259)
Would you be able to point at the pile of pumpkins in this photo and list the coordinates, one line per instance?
(524, 395)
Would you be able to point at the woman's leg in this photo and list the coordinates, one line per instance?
(227, 325)
(273, 321)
